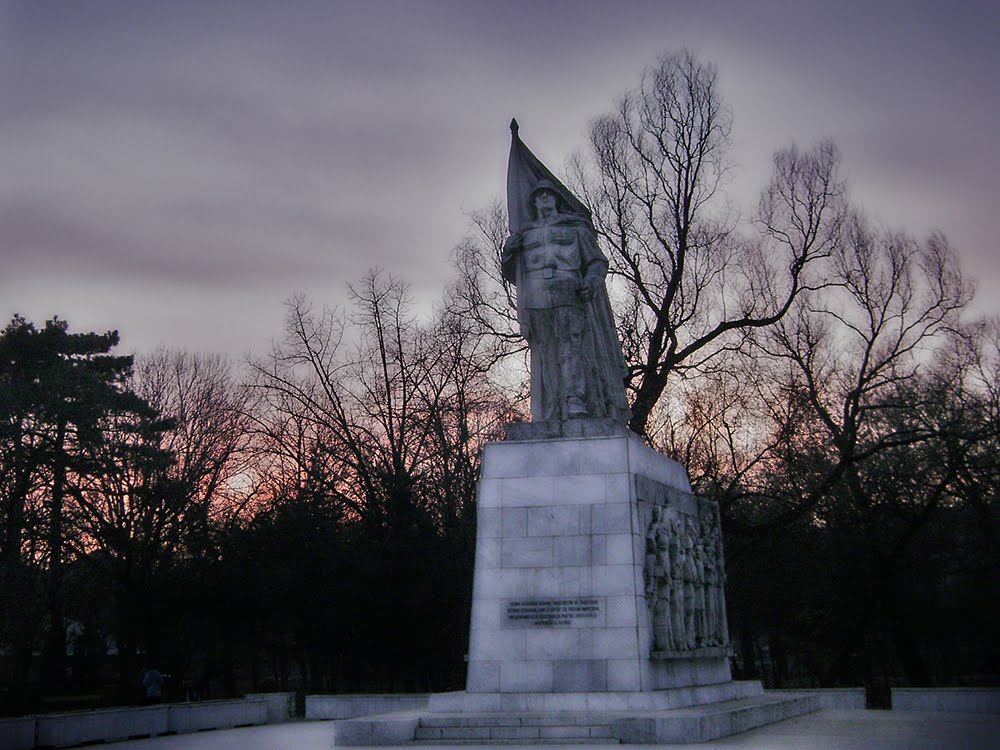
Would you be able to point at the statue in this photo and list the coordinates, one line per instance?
(552, 257)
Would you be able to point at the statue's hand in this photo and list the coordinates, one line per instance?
(588, 288)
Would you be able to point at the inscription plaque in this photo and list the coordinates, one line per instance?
(579, 612)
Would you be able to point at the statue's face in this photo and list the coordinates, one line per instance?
(545, 201)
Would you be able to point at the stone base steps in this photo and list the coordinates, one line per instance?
(684, 725)
(700, 723)
(473, 704)
(711, 721)
(521, 742)
(515, 728)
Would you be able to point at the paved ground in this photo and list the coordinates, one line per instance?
(825, 730)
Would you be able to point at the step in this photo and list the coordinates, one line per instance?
(710, 721)
(509, 719)
(692, 724)
(489, 733)
(570, 741)
(651, 700)
(534, 727)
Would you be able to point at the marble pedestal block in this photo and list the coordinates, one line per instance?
(559, 600)
(579, 524)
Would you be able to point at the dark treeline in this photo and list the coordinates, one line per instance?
(307, 520)
(311, 525)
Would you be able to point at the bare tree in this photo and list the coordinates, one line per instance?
(128, 520)
(156, 485)
(693, 287)
(973, 373)
(209, 430)
(480, 293)
(374, 421)
(879, 435)
(724, 428)
(466, 402)
(385, 401)
(847, 352)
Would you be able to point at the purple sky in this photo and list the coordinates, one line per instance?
(176, 169)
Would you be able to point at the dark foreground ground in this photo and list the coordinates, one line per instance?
(825, 730)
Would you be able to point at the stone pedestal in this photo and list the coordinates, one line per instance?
(589, 544)
(559, 597)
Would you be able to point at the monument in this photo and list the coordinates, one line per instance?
(592, 552)
(598, 593)
(552, 258)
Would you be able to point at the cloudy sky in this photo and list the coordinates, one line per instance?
(176, 169)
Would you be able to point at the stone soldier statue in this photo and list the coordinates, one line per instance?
(552, 257)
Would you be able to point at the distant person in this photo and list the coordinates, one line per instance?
(152, 684)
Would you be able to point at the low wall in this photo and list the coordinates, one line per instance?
(113, 724)
(968, 700)
(280, 706)
(371, 732)
(79, 727)
(17, 734)
(834, 698)
(351, 706)
(224, 714)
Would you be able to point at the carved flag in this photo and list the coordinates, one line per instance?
(524, 172)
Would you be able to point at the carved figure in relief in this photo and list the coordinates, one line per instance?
(711, 585)
(658, 574)
(713, 602)
(677, 583)
(552, 257)
(649, 571)
(688, 577)
(685, 580)
(715, 574)
(698, 558)
(720, 590)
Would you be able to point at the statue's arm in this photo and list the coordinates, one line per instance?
(509, 257)
(595, 265)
